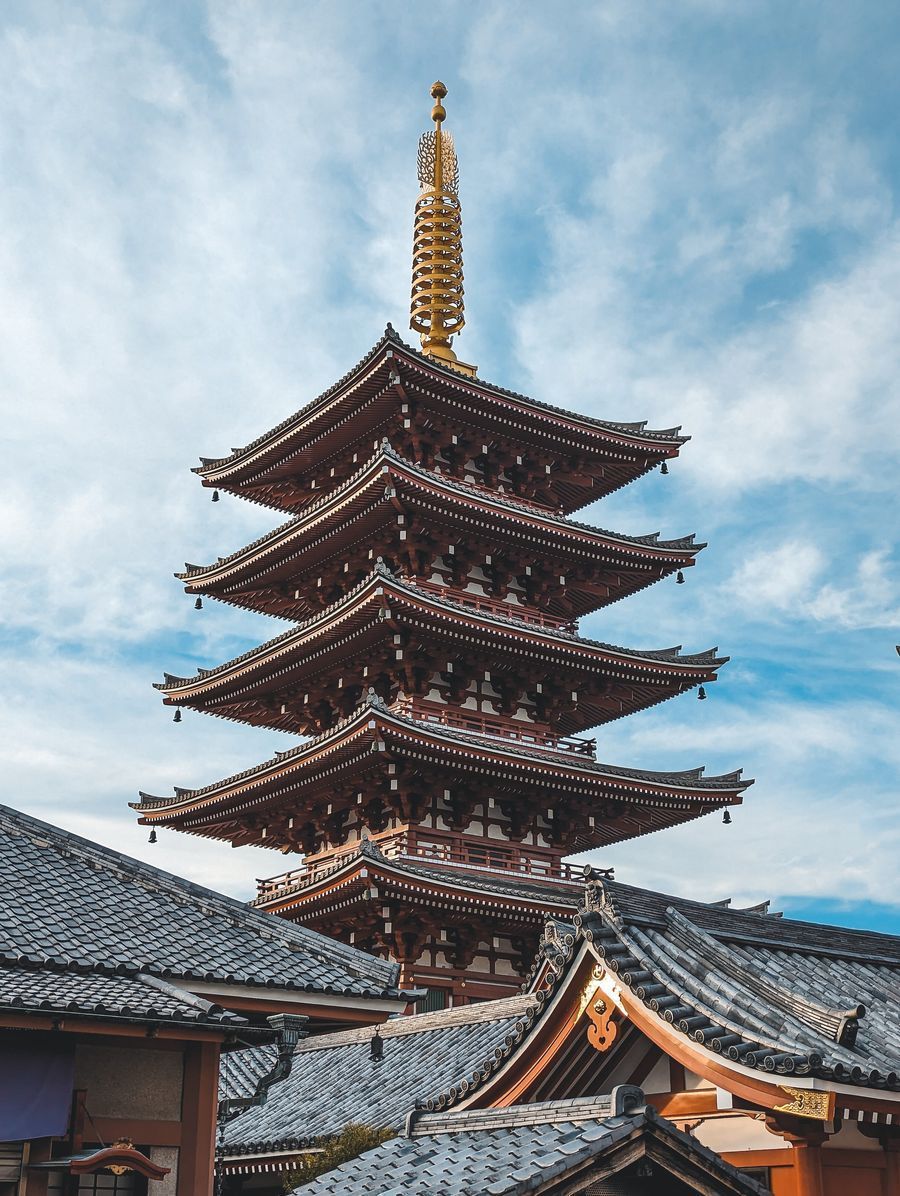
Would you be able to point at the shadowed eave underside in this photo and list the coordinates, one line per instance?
(283, 442)
(679, 796)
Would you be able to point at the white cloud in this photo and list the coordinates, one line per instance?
(205, 220)
(796, 580)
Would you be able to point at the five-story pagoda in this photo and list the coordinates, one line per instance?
(433, 578)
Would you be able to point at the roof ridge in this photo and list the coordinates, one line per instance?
(420, 1023)
(583, 1108)
(839, 1023)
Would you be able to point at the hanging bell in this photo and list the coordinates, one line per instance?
(664, 468)
(701, 694)
(152, 838)
(679, 578)
(726, 818)
(177, 718)
(376, 1052)
(215, 496)
(198, 605)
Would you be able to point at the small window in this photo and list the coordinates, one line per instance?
(436, 998)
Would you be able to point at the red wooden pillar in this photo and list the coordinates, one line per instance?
(891, 1145)
(807, 1155)
(199, 1102)
(806, 1139)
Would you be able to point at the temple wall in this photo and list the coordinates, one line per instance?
(130, 1083)
(165, 1156)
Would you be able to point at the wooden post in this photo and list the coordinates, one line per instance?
(199, 1104)
(807, 1155)
(891, 1144)
(806, 1139)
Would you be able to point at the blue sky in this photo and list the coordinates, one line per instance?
(684, 212)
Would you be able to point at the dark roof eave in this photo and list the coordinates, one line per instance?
(217, 469)
(193, 574)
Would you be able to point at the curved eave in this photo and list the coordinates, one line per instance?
(246, 464)
(365, 607)
(708, 1004)
(282, 542)
(503, 1077)
(689, 794)
(459, 889)
(748, 1083)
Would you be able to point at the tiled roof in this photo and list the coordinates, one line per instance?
(390, 337)
(72, 905)
(634, 657)
(334, 1080)
(527, 888)
(786, 997)
(529, 1148)
(431, 479)
(689, 778)
(51, 990)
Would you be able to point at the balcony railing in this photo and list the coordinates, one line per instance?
(502, 859)
(494, 725)
(496, 606)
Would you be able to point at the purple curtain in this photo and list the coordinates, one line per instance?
(35, 1091)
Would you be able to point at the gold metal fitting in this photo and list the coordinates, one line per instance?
(438, 309)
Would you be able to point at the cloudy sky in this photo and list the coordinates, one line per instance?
(684, 212)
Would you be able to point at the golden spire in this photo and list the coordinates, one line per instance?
(438, 309)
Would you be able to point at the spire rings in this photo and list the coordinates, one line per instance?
(437, 277)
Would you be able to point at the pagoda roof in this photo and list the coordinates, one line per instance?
(138, 932)
(480, 887)
(484, 403)
(340, 623)
(673, 796)
(316, 524)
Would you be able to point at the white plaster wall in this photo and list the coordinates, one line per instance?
(165, 1156)
(692, 1082)
(850, 1138)
(736, 1131)
(658, 1079)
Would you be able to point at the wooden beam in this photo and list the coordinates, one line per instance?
(147, 1133)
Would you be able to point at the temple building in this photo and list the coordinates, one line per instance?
(433, 577)
(771, 1042)
(123, 992)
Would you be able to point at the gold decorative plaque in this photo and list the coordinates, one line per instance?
(602, 1030)
(808, 1102)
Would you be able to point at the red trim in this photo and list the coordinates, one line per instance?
(118, 1156)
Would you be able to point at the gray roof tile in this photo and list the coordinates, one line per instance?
(49, 990)
(520, 1151)
(334, 1081)
(70, 903)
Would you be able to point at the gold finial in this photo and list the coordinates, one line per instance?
(438, 309)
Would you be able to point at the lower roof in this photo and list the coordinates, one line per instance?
(72, 906)
(334, 1079)
(530, 1148)
(544, 894)
(136, 997)
(650, 800)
